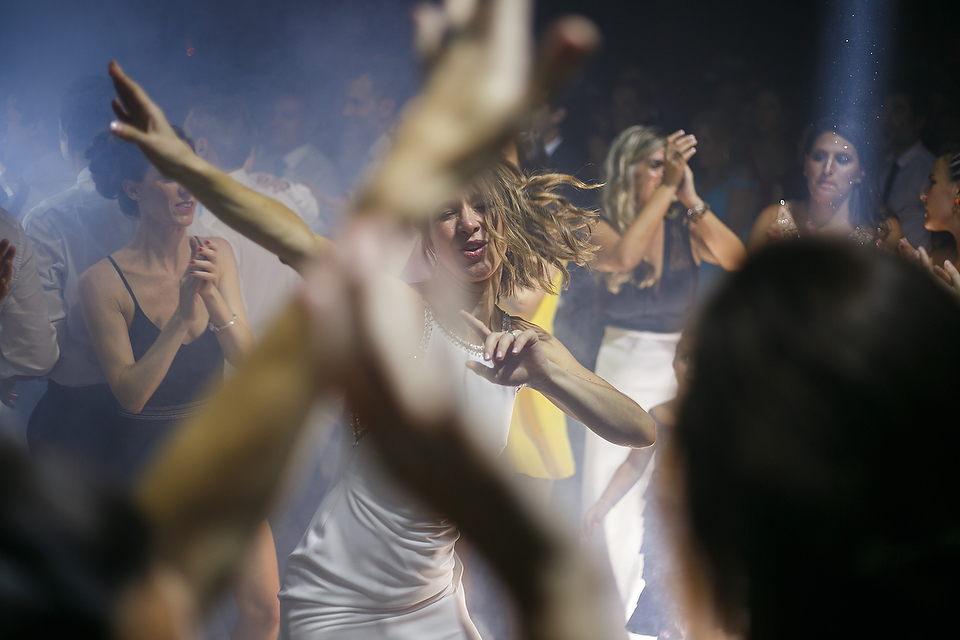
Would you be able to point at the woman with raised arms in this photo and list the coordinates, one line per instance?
(375, 562)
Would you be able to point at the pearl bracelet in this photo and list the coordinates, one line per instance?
(215, 329)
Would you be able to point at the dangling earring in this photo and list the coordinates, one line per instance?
(956, 206)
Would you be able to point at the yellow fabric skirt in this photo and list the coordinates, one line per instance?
(538, 445)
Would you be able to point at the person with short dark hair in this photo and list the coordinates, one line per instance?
(814, 457)
(903, 173)
(70, 232)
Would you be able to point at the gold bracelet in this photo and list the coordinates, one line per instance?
(216, 329)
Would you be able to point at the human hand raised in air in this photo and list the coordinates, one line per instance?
(516, 356)
(680, 148)
(141, 121)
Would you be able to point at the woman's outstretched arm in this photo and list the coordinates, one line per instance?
(531, 356)
(262, 219)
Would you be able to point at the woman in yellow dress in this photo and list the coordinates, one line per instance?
(538, 445)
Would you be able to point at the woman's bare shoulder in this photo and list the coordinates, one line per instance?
(100, 281)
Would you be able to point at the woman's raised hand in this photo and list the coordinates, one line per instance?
(141, 121)
(680, 148)
(482, 80)
(517, 356)
(204, 266)
(190, 303)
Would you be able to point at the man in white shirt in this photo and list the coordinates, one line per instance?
(70, 232)
(286, 150)
(906, 169)
(222, 133)
(28, 342)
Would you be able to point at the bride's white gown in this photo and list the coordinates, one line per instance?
(375, 562)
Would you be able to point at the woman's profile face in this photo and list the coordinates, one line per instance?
(161, 199)
(832, 168)
(939, 198)
(648, 176)
(459, 239)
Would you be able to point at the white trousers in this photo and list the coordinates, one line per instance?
(640, 365)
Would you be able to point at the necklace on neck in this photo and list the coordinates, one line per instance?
(461, 343)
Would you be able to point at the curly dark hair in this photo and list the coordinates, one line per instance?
(112, 161)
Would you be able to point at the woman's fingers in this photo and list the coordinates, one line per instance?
(685, 142)
(676, 135)
(954, 275)
(907, 250)
(205, 276)
(476, 325)
(504, 344)
(490, 373)
(924, 259)
(523, 339)
(132, 96)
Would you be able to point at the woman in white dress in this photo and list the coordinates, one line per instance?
(375, 563)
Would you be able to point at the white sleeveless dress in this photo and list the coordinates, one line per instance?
(375, 562)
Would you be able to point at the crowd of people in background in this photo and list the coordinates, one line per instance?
(126, 298)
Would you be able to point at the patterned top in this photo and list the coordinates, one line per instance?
(787, 227)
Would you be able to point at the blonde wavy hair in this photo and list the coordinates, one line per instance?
(541, 227)
(631, 147)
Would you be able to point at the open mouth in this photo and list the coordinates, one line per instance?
(474, 248)
(187, 205)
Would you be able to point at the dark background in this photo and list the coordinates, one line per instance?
(816, 54)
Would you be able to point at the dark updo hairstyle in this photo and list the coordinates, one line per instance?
(816, 447)
(112, 161)
(865, 209)
(69, 546)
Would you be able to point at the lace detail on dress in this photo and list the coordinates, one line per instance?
(785, 222)
(788, 228)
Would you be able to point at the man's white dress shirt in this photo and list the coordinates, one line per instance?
(28, 342)
(71, 232)
(265, 283)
